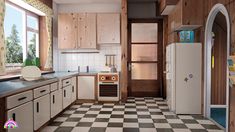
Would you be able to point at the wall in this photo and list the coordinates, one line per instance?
(96, 61)
(207, 6)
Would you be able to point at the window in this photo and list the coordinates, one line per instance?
(21, 36)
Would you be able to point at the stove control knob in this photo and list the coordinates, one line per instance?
(113, 78)
(102, 78)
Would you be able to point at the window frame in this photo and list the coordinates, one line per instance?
(26, 29)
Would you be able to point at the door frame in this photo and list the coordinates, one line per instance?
(160, 54)
(207, 60)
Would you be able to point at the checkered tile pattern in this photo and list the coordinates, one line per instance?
(136, 115)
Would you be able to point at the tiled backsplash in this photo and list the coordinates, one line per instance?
(96, 61)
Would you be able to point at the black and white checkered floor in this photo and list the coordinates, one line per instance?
(136, 115)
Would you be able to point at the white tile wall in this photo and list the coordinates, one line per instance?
(96, 61)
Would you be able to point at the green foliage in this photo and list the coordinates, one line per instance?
(14, 51)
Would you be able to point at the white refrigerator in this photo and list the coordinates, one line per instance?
(183, 74)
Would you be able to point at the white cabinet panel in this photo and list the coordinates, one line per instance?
(41, 111)
(86, 87)
(74, 89)
(56, 102)
(23, 115)
(19, 99)
(67, 93)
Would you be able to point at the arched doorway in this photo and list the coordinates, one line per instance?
(216, 15)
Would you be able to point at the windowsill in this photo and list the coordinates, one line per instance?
(11, 76)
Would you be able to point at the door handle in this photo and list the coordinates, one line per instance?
(73, 89)
(14, 116)
(64, 93)
(53, 99)
(130, 66)
(37, 107)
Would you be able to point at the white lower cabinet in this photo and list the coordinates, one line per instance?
(86, 87)
(56, 102)
(23, 115)
(74, 89)
(67, 93)
(41, 111)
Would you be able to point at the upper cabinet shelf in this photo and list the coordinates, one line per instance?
(108, 28)
(167, 6)
(187, 15)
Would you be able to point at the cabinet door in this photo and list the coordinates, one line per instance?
(67, 31)
(19, 114)
(87, 30)
(56, 102)
(41, 111)
(108, 28)
(86, 87)
(74, 89)
(67, 93)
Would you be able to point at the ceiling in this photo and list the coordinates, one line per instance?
(85, 1)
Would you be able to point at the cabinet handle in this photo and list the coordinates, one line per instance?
(73, 89)
(37, 107)
(67, 82)
(42, 91)
(22, 98)
(64, 93)
(14, 116)
(53, 99)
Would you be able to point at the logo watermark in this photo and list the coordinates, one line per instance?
(10, 124)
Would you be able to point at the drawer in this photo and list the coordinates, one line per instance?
(19, 99)
(41, 91)
(67, 82)
(54, 86)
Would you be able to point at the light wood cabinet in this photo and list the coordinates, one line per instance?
(108, 28)
(77, 31)
(67, 31)
(86, 87)
(19, 114)
(87, 30)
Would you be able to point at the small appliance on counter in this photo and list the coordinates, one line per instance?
(110, 62)
(108, 87)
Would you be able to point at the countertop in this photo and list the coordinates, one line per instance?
(11, 87)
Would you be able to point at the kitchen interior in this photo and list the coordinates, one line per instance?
(117, 65)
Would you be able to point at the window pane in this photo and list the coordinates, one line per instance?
(14, 34)
(144, 52)
(32, 22)
(32, 45)
(144, 71)
(144, 32)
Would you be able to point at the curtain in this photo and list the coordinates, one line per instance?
(2, 38)
(48, 11)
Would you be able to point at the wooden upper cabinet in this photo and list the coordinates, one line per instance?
(167, 6)
(67, 31)
(77, 31)
(187, 15)
(87, 30)
(108, 28)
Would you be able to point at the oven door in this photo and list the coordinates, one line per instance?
(108, 90)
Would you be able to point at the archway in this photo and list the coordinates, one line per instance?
(218, 9)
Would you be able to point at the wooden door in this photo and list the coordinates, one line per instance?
(108, 28)
(67, 31)
(145, 59)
